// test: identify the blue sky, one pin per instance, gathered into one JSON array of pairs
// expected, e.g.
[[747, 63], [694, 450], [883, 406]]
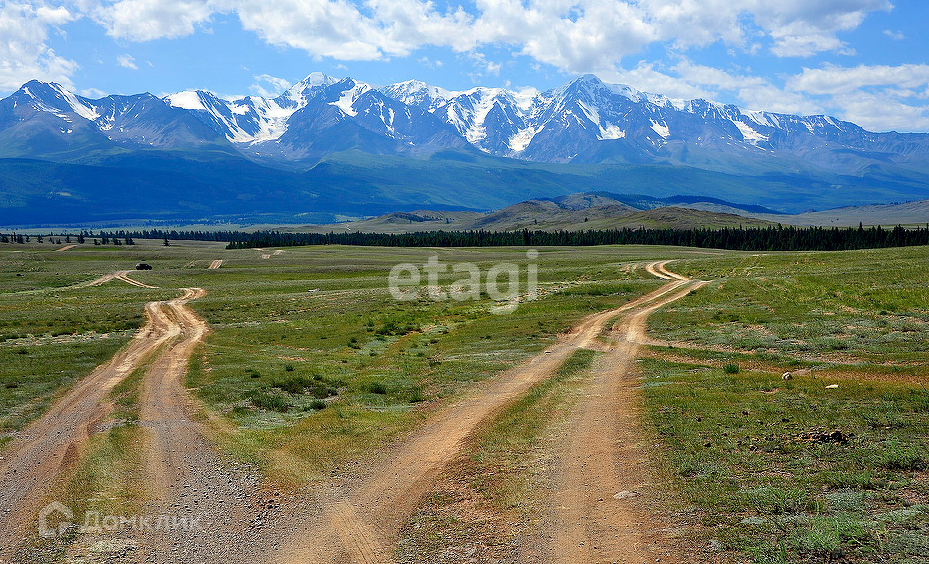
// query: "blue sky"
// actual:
[[860, 60]]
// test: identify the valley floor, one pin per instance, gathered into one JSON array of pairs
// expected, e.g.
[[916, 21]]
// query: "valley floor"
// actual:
[[281, 405]]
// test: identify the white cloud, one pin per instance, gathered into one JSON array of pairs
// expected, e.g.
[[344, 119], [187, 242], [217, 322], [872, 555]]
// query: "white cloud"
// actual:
[[277, 85], [484, 66], [882, 112], [323, 28], [92, 93], [24, 54], [895, 35], [876, 97], [687, 80], [590, 36], [573, 35], [649, 79], [144, 20], [801, 28], [831, 79], [126, 61]]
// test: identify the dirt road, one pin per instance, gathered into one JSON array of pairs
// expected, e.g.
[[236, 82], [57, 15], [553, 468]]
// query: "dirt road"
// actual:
[[121, 275], [184, 476], [603, 506], [357, 522], [124, 276], [360, 523], [659, 269], [49, 447], [215, 264]]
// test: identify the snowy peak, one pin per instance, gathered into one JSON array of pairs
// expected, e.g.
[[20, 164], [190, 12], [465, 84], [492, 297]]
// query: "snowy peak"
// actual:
[[299, 95], [54, 98], [417, 93], [314, 80], [349, 91]]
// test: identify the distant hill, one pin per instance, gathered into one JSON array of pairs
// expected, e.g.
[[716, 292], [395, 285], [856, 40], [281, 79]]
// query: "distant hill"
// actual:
[[909, 213], [596, 210], [401, 222], [606, 210]]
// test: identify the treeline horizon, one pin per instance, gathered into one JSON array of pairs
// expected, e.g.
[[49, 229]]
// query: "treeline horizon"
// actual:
[[774, 238]]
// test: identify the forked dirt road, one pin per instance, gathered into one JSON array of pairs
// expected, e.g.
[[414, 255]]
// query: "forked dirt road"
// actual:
[[357, 522], [360, 523], [122, 275], [48, 448]]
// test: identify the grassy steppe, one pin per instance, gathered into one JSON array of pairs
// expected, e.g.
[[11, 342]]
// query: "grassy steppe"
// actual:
[[310, 378], [793, 470], [311, 364]]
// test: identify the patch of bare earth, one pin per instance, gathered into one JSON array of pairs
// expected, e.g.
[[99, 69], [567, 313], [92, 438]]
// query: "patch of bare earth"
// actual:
[[605, 508]]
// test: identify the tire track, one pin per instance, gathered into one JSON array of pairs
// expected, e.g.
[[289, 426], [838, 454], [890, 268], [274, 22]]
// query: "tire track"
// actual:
[[185, 477], [124, 276]]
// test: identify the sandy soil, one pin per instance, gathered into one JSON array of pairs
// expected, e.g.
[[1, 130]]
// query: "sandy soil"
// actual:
[[660, 270]]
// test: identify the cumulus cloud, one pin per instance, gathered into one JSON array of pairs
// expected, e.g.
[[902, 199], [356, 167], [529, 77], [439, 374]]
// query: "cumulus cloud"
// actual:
[[877, 97], [574, 36], [800, 28], [588, 36], [144, 20], [24, 54], [126, 61], [320, 27], [882, 112]]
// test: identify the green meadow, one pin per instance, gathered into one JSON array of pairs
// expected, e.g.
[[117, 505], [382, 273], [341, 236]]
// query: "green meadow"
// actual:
[[312, 363]]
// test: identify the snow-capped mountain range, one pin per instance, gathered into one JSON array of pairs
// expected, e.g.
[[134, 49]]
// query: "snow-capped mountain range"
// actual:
[[329, 146], [583, 121]]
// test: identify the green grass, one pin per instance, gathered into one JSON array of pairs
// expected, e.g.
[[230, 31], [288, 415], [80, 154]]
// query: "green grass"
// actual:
[[52, 334], [758, 456], [105, 479], [868, 306], [380, 364], [504, 451], [310, 362]]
